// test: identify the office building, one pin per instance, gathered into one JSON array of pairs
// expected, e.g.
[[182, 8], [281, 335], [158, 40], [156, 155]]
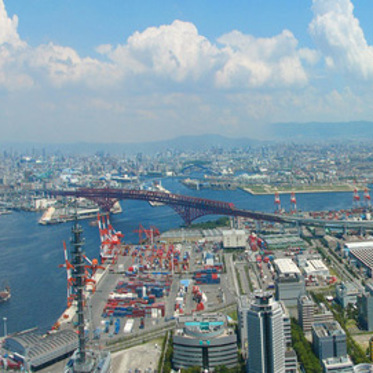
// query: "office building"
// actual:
[[291, 361], [347, 293], [365, 307], [287, 325], [243, 306], [265, 335], [289, 287], [309, 313], [204, 341], [328, 340], [341, 364]]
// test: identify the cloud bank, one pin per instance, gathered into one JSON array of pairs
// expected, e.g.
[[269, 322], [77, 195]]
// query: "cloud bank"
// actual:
[[172, 74]]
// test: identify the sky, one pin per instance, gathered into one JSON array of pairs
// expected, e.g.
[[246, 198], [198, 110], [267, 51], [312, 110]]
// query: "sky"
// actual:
[[144, 70]]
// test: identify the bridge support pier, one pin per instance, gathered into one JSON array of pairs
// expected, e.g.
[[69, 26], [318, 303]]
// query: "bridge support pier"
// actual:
[[299, 228], [258, 226]]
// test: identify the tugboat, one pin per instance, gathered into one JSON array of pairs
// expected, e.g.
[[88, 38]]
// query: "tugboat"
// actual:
[[5, 294]]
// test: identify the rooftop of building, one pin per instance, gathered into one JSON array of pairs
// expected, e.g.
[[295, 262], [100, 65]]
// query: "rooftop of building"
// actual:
[[359, 244], [306, 300], [203, 326], [326, 329], [35, 344], [289, 277], [338, 362], [286, 266], [232, 232], [318, 265], [364, 255], [348, 288]]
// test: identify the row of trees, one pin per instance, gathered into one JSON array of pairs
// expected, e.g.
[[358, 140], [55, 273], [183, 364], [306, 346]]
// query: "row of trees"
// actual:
[[303, 349]]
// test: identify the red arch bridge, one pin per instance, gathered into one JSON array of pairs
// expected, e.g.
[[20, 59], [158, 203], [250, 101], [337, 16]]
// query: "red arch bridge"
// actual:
[[191, 208]]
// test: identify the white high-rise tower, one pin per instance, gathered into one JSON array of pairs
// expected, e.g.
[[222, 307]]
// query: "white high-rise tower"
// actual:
[[265, 335]]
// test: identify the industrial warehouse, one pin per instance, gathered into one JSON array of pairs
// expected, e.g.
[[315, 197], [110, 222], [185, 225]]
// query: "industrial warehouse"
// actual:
[[36, 351]]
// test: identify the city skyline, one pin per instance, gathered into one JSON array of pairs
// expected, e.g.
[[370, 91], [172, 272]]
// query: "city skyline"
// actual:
[[120, 72]]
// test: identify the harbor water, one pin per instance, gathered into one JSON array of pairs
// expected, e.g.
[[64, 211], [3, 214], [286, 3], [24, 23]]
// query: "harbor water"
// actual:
[[30, 253]]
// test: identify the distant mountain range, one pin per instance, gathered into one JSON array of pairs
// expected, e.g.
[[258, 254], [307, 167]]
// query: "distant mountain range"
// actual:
[[278, 132], [182, 143], [316, 131]]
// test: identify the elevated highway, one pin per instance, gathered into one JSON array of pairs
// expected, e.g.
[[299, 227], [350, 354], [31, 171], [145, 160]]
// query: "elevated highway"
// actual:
[[191, 208]]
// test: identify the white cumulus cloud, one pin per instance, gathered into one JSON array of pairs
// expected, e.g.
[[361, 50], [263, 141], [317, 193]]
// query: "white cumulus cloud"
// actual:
[[64, 65], [340, 38], [256, 62], [174, 51], [8, 28]]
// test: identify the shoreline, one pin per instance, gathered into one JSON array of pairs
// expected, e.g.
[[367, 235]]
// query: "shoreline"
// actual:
[[297, 191]]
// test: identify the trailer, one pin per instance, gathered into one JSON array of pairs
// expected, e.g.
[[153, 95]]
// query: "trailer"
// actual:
[[129, 326]]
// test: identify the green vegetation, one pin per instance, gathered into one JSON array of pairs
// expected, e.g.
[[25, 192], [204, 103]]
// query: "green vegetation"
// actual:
[[324, 242], [225, 266], [303, 349], [308, 240], [211, 224], [251, 287], [195, 369], [167, 366], [357, 354], [239, 281], [233, 315], [162, 352]]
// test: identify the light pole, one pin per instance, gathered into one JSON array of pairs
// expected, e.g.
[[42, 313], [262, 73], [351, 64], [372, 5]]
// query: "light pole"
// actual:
[[5, 329]]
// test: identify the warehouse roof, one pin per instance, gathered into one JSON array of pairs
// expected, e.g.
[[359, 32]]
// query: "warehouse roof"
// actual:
[[364, 255], [38, 349], [286, 266]]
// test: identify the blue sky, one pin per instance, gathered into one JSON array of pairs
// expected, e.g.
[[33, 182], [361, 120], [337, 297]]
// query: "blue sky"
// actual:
[[129, 71]]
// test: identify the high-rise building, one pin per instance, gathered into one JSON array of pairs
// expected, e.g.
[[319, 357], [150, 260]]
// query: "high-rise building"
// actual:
[[289, 287], [265, 335], [365, 307], [243, 306], [328, 340], [309, 313]]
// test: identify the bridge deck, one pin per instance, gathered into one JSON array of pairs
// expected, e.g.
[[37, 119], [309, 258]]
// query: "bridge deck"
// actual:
[[190, 208]]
